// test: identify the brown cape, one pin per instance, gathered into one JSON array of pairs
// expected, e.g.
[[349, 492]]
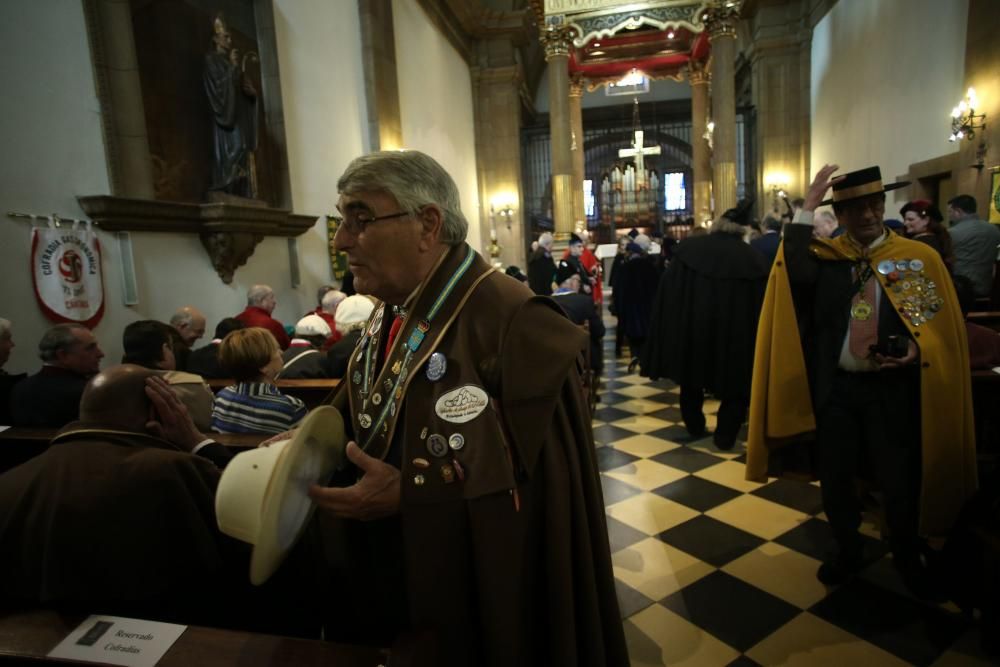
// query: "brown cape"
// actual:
[[510, 565]]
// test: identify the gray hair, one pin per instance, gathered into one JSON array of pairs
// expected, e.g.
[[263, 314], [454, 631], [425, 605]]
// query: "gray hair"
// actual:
[[331, 299], [724, 225], [5, 328], [414, 180], [59, 337], [826, 214], [182, 317], [545, 240], [323, 289], [257, 294]]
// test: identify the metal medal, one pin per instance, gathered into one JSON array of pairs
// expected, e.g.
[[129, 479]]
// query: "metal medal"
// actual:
[[862, 310], [423, 433], [418, 480], [396, 366], [421, 463], [447, 474], [902, 265], [365, 420], [437, 365], [356, 377], [456, 441], [437, 446], [377, 398], [916, 265], [886, 266]]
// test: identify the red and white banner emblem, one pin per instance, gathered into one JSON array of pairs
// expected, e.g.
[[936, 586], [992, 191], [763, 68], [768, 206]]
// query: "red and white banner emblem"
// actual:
[[68, 276]]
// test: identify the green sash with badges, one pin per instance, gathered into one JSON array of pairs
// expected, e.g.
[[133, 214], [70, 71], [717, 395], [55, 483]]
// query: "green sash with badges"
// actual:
[[375, 393]]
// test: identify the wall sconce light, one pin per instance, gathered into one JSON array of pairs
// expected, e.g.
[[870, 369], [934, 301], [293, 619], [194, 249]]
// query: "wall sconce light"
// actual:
[[503, 206], [964, 123], [964, 119], [777, 183]]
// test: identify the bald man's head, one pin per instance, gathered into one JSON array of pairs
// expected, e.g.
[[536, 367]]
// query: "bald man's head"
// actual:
[[190, 324], [117, 397]]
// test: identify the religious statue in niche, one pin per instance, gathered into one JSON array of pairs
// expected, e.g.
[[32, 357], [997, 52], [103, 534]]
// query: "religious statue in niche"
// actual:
[[233, 100]]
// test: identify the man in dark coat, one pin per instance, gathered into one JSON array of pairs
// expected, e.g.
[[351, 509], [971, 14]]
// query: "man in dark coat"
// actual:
[[118, 513], [705, 322], [51, 397], [580, 308], [205, 360], [473, 510], [541, 267], [767, 243], [634, 289]]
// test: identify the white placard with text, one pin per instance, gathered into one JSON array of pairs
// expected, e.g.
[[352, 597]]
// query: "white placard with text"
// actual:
[[118, 641]]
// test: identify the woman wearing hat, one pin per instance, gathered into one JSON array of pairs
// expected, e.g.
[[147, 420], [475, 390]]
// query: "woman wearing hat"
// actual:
[[254, 404], [923, 222]]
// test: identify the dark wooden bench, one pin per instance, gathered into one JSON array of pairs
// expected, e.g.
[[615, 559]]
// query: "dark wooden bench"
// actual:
[[985, 318], [312, 392], [18, 444], [28, 636]]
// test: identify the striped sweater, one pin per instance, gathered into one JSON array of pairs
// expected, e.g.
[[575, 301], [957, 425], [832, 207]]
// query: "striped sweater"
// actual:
[[255, 407]]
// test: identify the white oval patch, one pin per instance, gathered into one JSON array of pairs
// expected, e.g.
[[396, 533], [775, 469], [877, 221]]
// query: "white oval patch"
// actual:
[[461, 405]]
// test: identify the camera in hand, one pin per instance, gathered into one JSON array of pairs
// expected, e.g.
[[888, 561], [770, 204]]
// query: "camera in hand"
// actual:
[[892, 346]]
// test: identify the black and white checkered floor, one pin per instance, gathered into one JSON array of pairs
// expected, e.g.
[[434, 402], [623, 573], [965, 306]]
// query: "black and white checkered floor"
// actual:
[[714, 570]]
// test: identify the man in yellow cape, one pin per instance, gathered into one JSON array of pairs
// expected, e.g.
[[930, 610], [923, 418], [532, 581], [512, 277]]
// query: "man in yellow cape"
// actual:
[[903, 404]]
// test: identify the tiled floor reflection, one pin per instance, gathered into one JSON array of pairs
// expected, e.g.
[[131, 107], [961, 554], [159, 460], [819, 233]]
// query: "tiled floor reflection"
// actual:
[[714, 570]]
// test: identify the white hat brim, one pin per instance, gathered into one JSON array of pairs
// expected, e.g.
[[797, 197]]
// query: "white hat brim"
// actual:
[[272, 513]]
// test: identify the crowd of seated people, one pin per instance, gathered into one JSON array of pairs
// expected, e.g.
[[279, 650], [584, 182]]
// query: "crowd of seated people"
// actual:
[[71, 355]]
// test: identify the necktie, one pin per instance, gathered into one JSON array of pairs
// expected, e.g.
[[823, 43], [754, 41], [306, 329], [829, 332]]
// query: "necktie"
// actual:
[[397, 323], [864, 333]]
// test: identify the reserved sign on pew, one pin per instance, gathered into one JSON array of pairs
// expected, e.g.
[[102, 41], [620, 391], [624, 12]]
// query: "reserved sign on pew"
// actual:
[[118, 641]]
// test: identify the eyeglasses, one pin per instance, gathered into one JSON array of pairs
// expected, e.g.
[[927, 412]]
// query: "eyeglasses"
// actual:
[[357, 223]]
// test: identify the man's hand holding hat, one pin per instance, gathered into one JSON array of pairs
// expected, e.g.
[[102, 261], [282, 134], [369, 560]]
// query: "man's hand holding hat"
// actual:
[[374, 496]]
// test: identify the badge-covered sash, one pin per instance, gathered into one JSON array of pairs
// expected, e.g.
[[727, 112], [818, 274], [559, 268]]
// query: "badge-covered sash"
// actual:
[[376, 394]]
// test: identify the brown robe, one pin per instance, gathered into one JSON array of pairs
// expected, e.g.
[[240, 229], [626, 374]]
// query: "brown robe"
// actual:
[[500, 550]]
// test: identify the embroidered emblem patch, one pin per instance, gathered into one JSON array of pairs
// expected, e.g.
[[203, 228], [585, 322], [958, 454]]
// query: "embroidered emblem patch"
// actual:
[[461, 405]]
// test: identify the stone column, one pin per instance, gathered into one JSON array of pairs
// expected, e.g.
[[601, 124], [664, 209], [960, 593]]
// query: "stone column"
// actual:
[[378, 59], [497, 107], [557, 42], [701, 158], [576, 146], [116, 69], [721, 24]]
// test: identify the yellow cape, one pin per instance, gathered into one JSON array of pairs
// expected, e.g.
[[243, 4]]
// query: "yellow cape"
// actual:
[[781, 408]]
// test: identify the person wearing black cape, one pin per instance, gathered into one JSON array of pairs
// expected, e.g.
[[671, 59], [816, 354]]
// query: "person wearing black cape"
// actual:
[[704, 323], [634, 291]]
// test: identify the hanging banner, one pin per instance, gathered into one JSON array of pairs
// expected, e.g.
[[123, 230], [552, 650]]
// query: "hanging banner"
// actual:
[[67, 274], [338, 260]]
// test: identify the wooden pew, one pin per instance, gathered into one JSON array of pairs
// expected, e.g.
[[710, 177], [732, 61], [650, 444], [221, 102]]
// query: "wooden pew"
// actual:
[[27, 636], [985, 318], [312, 392], [18, 444], [986, 413]]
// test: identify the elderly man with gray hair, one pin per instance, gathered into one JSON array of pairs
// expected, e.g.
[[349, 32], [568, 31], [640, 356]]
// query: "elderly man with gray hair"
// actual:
[[541, 266], [472, 507], [51, 397], [260, 304]]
